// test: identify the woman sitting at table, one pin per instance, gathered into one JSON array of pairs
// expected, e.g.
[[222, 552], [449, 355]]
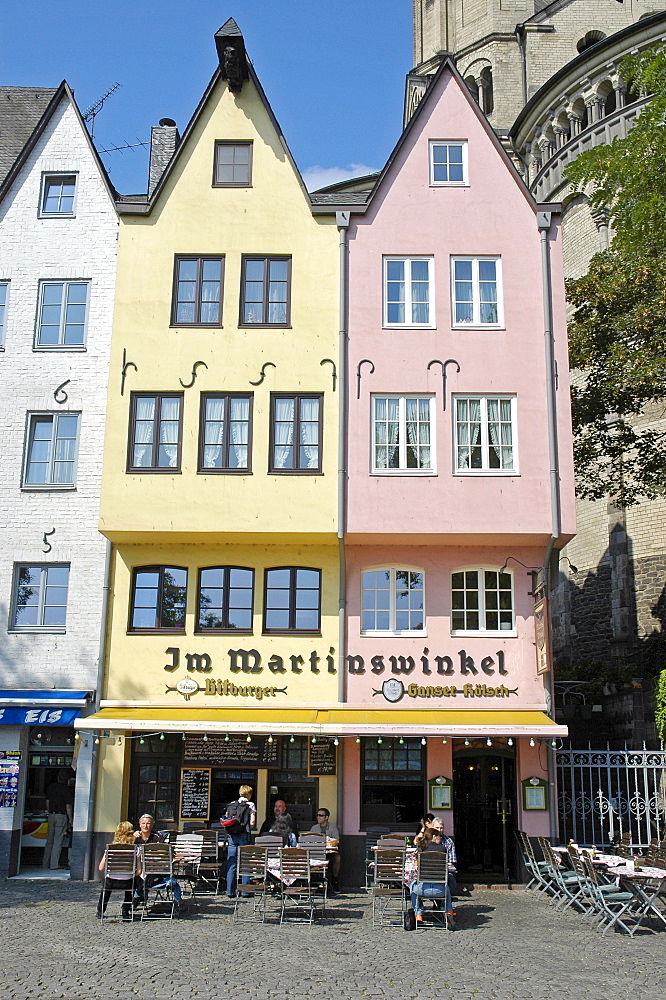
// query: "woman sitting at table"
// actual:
[[282, 828], [426, 824], [434, 840], [124, 835]]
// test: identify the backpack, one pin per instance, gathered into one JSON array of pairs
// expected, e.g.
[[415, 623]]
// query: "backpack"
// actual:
[[237, 817]]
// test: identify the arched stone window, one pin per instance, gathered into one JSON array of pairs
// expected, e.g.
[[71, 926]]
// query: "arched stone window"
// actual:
[[589, 39], [607, 97], [488, 93], [472, 87], [581, 112]]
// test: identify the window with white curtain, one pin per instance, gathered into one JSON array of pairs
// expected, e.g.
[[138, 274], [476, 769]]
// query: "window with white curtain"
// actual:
[[265, 291], [155, 432], [485, 429], [403, 434], [476, 291], [50, 454], [225, 432], [296, 433], [408, 291], [393, 601], [39, 598], [482, 600]]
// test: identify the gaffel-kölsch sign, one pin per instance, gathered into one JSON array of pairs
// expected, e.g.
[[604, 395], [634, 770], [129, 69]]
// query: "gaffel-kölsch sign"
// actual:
[[429, 668]]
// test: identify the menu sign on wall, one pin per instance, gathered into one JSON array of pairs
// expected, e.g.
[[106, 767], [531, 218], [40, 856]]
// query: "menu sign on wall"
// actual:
[[233, 750], [322, 758], [195, 793]]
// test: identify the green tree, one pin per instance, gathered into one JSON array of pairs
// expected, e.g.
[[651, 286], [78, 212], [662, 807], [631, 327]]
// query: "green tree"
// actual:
[[618, 332]]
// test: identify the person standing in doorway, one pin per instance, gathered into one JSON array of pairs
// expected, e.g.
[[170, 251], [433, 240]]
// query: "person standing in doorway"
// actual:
[[60, 812], [240, 836]]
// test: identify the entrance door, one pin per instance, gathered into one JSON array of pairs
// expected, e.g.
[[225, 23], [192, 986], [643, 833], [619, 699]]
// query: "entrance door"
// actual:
[[484, 804]]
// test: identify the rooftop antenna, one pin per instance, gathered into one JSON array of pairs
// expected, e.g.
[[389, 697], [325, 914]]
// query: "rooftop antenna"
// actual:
[[91, 113]]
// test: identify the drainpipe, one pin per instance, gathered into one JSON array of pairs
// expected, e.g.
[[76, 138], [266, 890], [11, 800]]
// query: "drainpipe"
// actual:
[[88, 858], [342, 221], [519, 32], [544, 221]]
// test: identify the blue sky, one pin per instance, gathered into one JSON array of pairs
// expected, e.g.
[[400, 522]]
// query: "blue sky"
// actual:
[[333, 70]]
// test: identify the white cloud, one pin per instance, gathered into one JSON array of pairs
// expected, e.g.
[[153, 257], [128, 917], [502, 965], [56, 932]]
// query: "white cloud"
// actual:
[[319, 177]]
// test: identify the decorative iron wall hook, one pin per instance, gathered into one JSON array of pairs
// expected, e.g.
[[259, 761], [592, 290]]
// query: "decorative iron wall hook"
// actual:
[[262, 374], [60, 395], [47, 545], [126, 364], [445, 365], [364, 361], [334, 373], [197, 364]]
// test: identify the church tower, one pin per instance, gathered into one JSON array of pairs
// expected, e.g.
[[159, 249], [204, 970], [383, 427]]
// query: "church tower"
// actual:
[[506, 50]]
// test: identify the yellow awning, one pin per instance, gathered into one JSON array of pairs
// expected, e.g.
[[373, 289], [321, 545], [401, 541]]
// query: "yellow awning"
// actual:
[[324, 722]]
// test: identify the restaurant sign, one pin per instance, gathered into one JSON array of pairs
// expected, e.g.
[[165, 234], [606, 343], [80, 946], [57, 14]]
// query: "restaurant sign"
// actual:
[[394, 690]]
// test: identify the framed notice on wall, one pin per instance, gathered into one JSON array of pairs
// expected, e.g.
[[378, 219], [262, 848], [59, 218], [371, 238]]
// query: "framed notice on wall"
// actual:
[[535, 794], [195, 792]]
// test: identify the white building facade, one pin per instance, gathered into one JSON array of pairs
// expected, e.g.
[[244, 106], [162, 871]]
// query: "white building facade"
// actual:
[[58, 240]]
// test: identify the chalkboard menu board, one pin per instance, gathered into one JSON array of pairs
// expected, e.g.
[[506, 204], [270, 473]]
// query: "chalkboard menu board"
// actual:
[[322, 757], [234, 751], [194, 793]]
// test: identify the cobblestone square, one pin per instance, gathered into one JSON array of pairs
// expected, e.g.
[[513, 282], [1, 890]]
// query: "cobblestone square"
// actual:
[[508, 946]]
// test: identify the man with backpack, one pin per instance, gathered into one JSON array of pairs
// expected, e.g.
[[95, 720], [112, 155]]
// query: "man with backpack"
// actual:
[[243, 813]]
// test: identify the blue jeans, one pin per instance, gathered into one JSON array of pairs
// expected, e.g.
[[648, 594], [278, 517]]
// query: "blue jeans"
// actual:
[[236, 840], [431, 890]]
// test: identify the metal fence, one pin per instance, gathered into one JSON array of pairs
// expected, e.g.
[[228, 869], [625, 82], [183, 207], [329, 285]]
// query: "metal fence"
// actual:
[[606, 793]]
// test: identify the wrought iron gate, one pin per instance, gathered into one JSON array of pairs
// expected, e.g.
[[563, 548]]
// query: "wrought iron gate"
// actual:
[[605, 793]]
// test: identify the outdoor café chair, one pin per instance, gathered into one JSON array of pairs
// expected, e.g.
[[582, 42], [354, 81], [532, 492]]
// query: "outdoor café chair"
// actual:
[[161, 891], [298, 893], [539, 871], [187, 859], [315, 845], [565, 883], [433, 867], [208, 868], [611, 904], [251, 885], [388, 888], [373, 835], [119, 875]]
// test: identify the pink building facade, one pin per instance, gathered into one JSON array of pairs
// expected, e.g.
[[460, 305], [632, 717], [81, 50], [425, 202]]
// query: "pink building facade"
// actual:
[[459, 485]]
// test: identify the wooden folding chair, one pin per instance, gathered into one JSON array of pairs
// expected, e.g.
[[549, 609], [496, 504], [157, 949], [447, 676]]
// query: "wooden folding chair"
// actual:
[[161, 891], [388, 887], [120, 865]]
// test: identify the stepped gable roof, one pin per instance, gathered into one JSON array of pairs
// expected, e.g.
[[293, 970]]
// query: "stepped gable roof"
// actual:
[[38, 122], [21, 109]]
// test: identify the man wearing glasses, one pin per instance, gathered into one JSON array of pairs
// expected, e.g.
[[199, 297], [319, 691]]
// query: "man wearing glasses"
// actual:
[[332, 834]]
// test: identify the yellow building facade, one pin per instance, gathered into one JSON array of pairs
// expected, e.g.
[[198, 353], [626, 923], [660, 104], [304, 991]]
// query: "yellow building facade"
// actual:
[[219, 496]]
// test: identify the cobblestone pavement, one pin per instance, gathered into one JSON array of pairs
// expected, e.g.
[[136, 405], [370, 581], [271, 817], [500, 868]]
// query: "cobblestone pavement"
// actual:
[[508, 946]]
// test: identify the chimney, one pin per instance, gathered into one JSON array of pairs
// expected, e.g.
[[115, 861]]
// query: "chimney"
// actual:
[[164, 139]]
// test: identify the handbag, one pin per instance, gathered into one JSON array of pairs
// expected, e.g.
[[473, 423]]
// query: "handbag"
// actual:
[[409, 919]]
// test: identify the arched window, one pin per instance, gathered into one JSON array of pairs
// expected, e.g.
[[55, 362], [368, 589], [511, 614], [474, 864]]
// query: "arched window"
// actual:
[[590, 39], [488, 93], [482, 600], [393, 600], [472, 87]]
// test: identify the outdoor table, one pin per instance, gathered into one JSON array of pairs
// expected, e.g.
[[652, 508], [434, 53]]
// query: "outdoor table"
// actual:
[[273, 868], [646, 884]]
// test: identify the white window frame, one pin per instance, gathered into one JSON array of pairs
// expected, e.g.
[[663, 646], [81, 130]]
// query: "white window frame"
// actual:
[[431, 155], [3, 313], [485, 469], [61, 345], [54, 416], [13, 626], [476, 298], [54, 175], [403, 469], [481, 593], [407, 262], [392, 630]]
